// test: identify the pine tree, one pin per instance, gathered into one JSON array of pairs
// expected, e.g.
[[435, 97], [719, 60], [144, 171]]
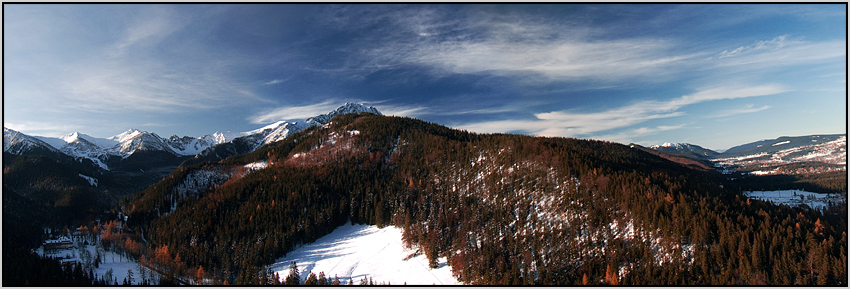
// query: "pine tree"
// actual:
[[294, 276], [312, 280], [322, 279], [200, 274]]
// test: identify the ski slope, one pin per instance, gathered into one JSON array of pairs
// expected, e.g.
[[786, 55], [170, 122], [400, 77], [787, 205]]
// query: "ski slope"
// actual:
[[358, 251]]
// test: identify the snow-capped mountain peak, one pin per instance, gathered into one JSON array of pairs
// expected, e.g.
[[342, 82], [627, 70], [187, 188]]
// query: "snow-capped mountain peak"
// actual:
[[267, 127], [685, 148], [104, 143], [670, 145], [70, 137], [344, 109], [129, 134]]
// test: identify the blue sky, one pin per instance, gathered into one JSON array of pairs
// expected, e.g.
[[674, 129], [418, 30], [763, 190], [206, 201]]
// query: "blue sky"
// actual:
[[712, 75]]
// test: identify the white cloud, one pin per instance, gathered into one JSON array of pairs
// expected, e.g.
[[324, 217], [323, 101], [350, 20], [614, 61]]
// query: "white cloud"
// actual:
[[276, 81], [295, 112], [558, 59], [628, 136], [571, 123], [408, 111]]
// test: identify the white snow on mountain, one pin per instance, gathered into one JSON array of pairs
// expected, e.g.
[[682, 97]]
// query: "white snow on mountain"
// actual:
[[127, 135], [354, 252], [16, 142], [101, 142], [347, 108]]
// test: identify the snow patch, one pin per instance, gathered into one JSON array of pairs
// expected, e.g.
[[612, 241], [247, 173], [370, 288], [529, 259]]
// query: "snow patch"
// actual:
[[782, 143], [358, 251], [92, 181], [255, 166]]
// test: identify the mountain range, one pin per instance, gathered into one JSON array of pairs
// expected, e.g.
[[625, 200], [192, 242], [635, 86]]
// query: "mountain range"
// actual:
[[107, 153], [787, 155]]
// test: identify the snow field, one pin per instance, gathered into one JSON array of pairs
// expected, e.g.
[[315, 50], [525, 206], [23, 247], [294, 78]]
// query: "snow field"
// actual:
[[358, 251], [109, 260]]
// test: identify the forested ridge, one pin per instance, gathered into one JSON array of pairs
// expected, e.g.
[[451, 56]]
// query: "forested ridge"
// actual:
[[504, 209]]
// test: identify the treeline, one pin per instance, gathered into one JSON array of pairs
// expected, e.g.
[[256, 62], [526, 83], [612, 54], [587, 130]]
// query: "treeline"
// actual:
[[829, 182], [31, 270], [504, 209]]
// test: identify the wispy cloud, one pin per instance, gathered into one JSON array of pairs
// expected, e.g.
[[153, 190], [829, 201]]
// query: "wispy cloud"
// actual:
[[40, 128], [148, 86], [522, 46], [153, 23], [556, 60], [629, 135], [276, 81], [780, 51], [402, 110], [294, 112], [748, 109], [572, 123], [775, 43], [144, 70]]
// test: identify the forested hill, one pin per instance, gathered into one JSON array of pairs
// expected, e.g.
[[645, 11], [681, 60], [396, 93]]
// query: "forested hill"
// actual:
[[504, 209]]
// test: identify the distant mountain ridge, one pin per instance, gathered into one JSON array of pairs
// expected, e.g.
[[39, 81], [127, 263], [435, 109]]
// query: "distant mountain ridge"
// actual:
[[105, 151], [783, 155], [687, 149], [757, 147], [778, 144]]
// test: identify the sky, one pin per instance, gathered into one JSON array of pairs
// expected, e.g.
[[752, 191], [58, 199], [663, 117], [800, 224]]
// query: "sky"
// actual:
[[712, 75]]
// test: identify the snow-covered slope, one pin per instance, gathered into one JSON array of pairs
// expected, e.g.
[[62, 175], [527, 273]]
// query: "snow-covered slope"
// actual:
[[357, 251], [17, 143]]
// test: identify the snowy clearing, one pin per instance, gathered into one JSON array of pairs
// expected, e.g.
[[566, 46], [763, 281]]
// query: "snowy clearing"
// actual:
[[816, 201], [358, 251], [109, 260]]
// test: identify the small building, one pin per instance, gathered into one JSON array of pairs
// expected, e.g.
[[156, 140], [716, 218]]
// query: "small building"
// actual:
[[70, 262], [57, 244]]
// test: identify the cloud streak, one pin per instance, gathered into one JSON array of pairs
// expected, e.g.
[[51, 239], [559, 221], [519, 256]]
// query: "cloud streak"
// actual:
[[732, 112], [524, 47], [148, 86], [294, 112], [779, 52], [571, 123]]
